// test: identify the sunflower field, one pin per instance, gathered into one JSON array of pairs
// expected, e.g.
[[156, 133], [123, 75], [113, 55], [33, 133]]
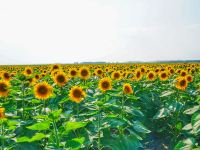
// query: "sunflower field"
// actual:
[[100, 107]]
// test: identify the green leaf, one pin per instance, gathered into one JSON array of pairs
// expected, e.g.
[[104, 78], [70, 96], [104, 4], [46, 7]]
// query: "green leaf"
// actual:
[[75, 143], [134, 111], [114, 122], [55, 114], [191, 110], [36, 137], [23, 139], [74, 125], [186, 144], [122, 143], [139, 127], [179, 126], [187, 127], [196, 123], [166, 93], [40, 126], [162, 113]]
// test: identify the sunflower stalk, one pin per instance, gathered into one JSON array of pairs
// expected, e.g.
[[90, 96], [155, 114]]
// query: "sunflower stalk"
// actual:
[[77, 111], [2, 139], [56, 133], [122, 113], [99, 126], [44, 107], [23, 103]]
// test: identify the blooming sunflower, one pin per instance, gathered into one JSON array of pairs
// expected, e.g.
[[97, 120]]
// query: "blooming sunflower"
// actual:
[[183, 73], [73, 72], [84, 73], [2, 112], [77, 94], [189, 78], [43, 90], [138, 75], [116, 75], [60, 79], [98, 72], [151, 76], [127, 89], [181, 83], [4, 88], [163, 75], [28, 71], [105, 84], [6, 76]]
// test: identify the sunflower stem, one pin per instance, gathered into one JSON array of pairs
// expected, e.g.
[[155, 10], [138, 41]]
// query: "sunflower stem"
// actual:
[[23, 100], [56, 133], [44, 107], [2, 133], [77, 111], [122, 113], [99, 125]]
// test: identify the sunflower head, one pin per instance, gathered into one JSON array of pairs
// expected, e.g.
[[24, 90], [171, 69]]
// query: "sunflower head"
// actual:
[[31, 81], [60, 79], [2, 112], [4, 88], [55, 67], [84, 73], [116, 75], [43, 90], [183, 73], [77, 94], [181, 83], [98, 72], [127, 89], [163, 75], [37, 76], [73, 72], [138, 75], [189, 78], [151, 76], [6, 76], [105, 84], [28, 71]]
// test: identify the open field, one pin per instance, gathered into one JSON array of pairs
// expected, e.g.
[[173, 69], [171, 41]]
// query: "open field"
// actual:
[[100, 106]]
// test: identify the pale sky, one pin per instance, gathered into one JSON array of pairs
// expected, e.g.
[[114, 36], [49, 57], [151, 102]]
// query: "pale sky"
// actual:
[[67, 31]]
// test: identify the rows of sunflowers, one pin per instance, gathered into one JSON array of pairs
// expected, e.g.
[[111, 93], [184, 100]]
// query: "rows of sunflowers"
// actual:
[[100, 106]]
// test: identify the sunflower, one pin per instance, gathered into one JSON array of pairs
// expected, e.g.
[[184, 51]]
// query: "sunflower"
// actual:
[[138, 75], [127, 89], [2, 112], [60, 79], [77, 94], [181, 83], [163, 75], [84, 73], [55, 67], [98, 72], [28, 71], [183, 73], [37, 77], [31, 81], [116, 75], [6, 76], [43, 90], [105, 84], [151, 76], [73, 72], [4, 88], [189, 78]]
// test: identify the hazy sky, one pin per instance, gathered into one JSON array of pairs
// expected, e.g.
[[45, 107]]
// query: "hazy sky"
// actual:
[[45, 31]]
